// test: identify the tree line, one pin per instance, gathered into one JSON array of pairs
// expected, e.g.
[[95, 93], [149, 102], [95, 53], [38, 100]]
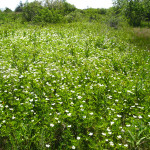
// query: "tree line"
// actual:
[[135, 11], [55, 11]]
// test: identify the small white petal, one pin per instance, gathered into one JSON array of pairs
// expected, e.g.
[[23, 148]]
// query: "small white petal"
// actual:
[[73, 147], [90, 133]]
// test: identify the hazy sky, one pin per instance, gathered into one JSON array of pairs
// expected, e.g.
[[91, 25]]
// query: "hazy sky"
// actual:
[[12, 4]]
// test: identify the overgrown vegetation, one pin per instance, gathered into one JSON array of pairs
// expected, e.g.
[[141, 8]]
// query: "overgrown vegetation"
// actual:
[[135, 11], [55, 12], [73, 79]]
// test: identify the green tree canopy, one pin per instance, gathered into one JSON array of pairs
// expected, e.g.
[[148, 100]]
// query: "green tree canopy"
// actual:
[[7, 10], [19, 8]]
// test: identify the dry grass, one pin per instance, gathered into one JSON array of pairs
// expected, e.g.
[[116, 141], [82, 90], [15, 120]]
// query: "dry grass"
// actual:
[[142, 32], [141, 37]]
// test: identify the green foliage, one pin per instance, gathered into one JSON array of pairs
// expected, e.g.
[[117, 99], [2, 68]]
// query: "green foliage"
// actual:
[[19, 8], [68, 8], [102, 11], [7, 10], [10, 18], [58, 11], [62, 6], [73, 86], [52, 12], [146, 5], [134, 10], [47, 16], [115, 19], [74, 17], [31, 10], [93, 14]]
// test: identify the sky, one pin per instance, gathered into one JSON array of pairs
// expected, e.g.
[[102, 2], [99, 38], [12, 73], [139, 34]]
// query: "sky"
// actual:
[[81, 4]]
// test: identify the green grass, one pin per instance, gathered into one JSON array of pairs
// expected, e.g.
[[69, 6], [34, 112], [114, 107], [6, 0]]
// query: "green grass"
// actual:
[[73, 86]]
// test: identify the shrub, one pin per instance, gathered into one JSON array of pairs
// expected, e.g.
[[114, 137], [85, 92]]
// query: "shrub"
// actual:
[[31, 10], [73, 17]]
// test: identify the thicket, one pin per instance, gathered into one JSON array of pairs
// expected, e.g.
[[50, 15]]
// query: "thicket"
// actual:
[[58, 11], [136, 11], [53, 12]]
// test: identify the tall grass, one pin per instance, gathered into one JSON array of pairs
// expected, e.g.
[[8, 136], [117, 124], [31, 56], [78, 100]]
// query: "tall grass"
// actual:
[[141, 37]]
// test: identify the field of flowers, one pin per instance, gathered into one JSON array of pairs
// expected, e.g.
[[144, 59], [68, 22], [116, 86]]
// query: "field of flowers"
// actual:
[[73, 86]]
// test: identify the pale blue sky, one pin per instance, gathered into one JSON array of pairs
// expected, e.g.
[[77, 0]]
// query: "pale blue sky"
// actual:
[[12, 4]]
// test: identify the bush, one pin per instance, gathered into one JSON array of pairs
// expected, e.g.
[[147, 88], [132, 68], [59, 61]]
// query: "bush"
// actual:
[[134, 13], [31, 10], [19, 8], [7, 10], [73, 17], [114, 22]]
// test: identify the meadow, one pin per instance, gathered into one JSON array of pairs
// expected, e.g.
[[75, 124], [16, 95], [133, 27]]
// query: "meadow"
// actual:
[[81, 86]]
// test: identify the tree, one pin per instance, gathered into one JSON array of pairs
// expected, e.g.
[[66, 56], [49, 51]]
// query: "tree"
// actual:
[[68, 8], [51, 11], [146, 4], [53, 4], [132, 9], [19, 8], [31, 10], [7, 10], [134, 12]]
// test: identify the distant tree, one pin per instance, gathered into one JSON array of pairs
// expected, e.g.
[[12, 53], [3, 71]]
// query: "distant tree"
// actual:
[[19, 8], [60, 7], [102, 11], [68, 8], [146, 4], [74, 16], [134, 12], [44, 15], [132, 9], [31, 10], [53, 4], [7, 10]]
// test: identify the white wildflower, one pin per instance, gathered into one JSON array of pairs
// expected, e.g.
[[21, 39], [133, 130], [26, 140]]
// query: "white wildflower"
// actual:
[[109, 132], [69, 114], [51, 125], [69, 126], [91, 113], [140, 117], [79, 97], [13, 117], [119, 137], [111, 143], [111, 123], [104, 134], [119, 116], [90, 133], [47, 145]]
